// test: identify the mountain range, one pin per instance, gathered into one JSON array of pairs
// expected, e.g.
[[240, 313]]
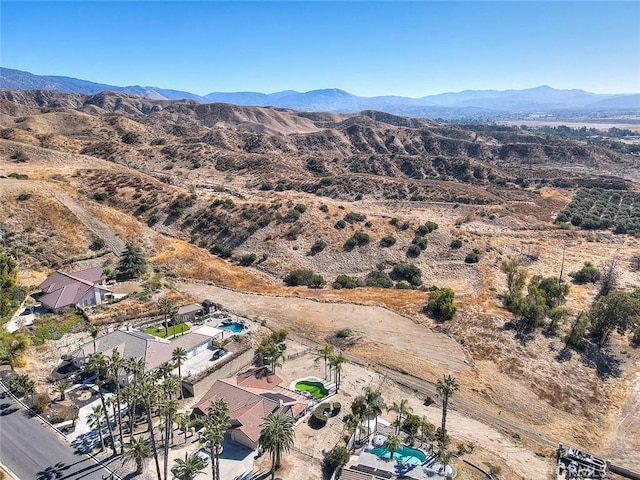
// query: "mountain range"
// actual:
[[468, 103]]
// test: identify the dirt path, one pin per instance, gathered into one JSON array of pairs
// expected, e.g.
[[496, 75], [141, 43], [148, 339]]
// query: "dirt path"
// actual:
[[315, 320], [95, 226], [625, 448]]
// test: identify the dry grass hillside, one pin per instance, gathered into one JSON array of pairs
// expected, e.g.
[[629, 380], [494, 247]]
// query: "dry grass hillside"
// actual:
[[208, 188]]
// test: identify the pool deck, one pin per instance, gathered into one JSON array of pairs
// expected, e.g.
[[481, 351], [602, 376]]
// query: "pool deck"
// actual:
[[420, 472]]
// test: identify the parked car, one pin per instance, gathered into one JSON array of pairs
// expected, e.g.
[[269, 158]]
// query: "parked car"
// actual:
[[219, 353], [202, 454]]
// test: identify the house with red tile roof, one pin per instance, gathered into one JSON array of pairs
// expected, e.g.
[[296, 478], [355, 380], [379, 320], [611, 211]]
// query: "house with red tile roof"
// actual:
[[252, 396], [77, 289]]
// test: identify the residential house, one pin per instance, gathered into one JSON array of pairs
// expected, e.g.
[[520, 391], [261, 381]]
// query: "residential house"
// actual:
[[252, 396], [188, 313], [77, 289]]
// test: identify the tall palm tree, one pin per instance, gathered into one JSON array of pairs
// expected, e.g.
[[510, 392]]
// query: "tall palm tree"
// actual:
[[336, 362], [94, 331], [393, 444], [276, 436], [182, 419], [446, 387], [61, 387], [188, 468], [214, 429], [168, 409], [374, 403], [166, 307], [137, 449], [179, 355], [97, 363], [134, 366], [147, 392], [326, 352], [427, 429], [96, 419], [401, 409], [355, 424], [359, 412], [114, 365], [170, 386]]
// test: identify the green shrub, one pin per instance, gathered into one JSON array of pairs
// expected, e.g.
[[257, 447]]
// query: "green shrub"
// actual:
[[317, 247], [40, 402], [344, 281], [97, 244], [248, 259], [304, 277], [358, 239], [23, 197], [324, 208], [266, 186], [337, 457], [413, 251], [340, 225], [292, 216], [427, 228], [20, 156], [441, 304], [587, 274], [388, 241], [300, 207], [222, 250], [378, 278], [352, 217], [456, 244], [100, 196], [472, 257], [153, 219], [420, 242], [408, 272]]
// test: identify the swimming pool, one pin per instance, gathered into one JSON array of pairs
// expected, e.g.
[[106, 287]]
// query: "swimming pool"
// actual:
[[232, 327], [404, 454]]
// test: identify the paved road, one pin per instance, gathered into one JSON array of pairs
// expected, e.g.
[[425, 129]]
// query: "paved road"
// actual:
[[33, 451]]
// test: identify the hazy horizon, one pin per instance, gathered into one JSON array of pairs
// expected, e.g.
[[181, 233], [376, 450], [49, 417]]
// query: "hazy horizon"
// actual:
[[410, 49]]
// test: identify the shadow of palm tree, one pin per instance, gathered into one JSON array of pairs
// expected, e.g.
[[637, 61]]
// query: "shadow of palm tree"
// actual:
[[253, 475]]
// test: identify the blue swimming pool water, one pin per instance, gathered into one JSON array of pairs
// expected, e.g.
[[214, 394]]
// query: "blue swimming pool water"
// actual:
[[232, 327], [404, 454]]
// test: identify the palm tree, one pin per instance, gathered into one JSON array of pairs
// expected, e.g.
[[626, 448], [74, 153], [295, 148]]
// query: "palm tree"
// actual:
[[355, 423], [168, 408], [182, 419], [114, 365], [336, 362], [326, 352], [393, 444], [166, 307], [14, 349], [359, 412], [276, 436], [60, 387], [446, 387], [427, 429], [188, 468], [179, 355], [29, 387], [214, 429], [374, 404], [97, 363], [147, 392], [134, 366], [401, 409], [137, 449], [95, 419], [94, 331]]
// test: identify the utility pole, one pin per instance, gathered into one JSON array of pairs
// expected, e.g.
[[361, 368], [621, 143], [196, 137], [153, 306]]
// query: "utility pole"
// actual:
[[564, 248]]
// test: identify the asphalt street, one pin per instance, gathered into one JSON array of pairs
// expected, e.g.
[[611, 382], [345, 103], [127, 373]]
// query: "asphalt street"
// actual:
[[33, 451]]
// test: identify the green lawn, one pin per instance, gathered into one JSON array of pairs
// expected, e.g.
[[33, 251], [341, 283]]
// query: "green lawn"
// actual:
[[180, 328], [316, 389]]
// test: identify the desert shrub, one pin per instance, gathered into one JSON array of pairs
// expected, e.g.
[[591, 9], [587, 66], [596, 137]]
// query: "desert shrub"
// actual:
[[97, 244], [100, 196], [340, 225], [23, 197], [413, 251], [358, 239], [266, 186], [153, 219], [292, 216], [300, 207], [344, 281], [222, 250], [427, 228], [456, 244], [40, 402], [248, 259], [158, 141], [378, 278], [420, 242], [404, 286], [324, 208], [352, 217], [408, 272], [388, 241], [472, 257], [317, 247], [131, 138], [337, 457], [587, 274], [394, 221], [18, 176], [304, 277], [20, 156], [264, 220], [179, 204], [368, 224], [441, 304]]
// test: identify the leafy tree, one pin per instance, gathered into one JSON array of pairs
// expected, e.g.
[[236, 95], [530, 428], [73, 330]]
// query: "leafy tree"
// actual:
[[387, 241], [587, 274], [337, 457], [304, 277], [609, 279], [137, 450], [8, 271], [344, 281], [132, 262], [472, 257], [552, 290], [441, 303], [456, 244], [446, 387], [378, 278], [408, 272], [617, 311], [276, 436], [533, 308], [358, 239], [12, 349], [578, 329], [516, 280], [401, 409]]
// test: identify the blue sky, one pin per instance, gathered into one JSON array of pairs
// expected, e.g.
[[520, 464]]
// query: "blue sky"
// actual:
[[367, 48]]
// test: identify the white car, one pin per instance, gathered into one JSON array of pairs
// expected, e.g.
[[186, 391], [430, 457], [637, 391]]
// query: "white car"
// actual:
[[203, 455]]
